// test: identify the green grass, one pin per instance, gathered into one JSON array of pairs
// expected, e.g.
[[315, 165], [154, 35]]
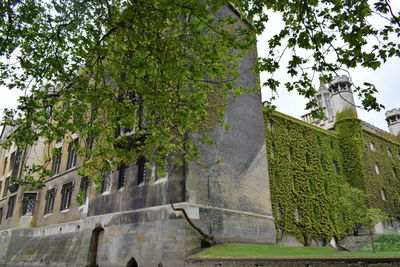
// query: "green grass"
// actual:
[[254, 251]]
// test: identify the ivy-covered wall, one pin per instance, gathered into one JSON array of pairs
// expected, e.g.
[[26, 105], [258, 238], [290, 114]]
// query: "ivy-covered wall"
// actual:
[[307, 181], [351, 141], [381, 167], [318, 177]]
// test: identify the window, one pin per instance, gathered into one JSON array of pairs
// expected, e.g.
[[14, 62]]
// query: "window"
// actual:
[[290, 156], [84, 186], [270, 126], [28, 203], [134, 99], [141, 175], [1, 214], [335, 167], [308, 159], [6, 184], [66, 195], [383, 195], [390, 153], [15, 161], [273, 151], [11, 206], [372, 146], [72, 147], [122, 169], [164, 174], [377, 170], [297, 215], [5, 165], [56, 161], [106, 183], [50, 197], [327, 103], [389, 224], [89, 145], [49, 110], [287, 129]]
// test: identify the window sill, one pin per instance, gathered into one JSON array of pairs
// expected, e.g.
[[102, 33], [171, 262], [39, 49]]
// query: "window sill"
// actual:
[[161, 180], [47, 215], [107, 192], [64, 211]]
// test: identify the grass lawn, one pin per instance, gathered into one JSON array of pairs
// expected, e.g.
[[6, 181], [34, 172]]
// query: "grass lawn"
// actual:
[[255, 251]]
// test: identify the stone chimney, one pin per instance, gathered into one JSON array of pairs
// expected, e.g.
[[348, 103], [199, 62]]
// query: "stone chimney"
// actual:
[[341, 95], [393, 120]]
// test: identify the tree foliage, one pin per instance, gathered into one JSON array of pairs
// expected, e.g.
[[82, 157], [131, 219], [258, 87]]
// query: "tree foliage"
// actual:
[[109, 66], [325, 37]]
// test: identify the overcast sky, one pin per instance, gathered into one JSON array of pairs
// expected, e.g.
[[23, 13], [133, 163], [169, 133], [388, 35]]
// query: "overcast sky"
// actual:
[[386, 79]]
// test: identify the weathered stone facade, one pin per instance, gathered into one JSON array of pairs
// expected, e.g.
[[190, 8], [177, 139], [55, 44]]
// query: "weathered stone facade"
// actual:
[[135, 224]]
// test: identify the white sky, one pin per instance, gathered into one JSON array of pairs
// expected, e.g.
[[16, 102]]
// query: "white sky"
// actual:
[[385, 79]]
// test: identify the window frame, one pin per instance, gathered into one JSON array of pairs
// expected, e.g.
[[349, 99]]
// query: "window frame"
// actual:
[[6, 185], [141, 171], [377, 169], [72, 153], [372, 146], [66, 195], [122, 171], [56, 162], [106, 184], [50, 199], [30, 196], [84, 186], [1, 214], [15, 162], [12, 200]]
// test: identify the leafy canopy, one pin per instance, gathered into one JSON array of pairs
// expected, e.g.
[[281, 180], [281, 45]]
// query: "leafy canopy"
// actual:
[[102, 68]]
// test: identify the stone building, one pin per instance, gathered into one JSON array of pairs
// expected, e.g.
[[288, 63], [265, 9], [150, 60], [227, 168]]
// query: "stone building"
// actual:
[[315, 164], [130, 221]]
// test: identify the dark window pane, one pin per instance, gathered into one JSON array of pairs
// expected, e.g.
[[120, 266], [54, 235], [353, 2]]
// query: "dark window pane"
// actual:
[[11, 206], [28, 203], [50, 197], [66, 195]]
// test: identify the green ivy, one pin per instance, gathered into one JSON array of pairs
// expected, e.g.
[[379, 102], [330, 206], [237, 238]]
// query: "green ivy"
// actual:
[[349, 131], [321, 180], [308, 185], [386, 157]]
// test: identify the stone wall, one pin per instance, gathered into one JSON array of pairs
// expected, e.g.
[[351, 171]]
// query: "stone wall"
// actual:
[[149, 236]]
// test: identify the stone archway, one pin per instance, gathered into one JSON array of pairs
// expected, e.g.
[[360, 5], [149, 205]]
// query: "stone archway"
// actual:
[[94, 242], [132, 263]]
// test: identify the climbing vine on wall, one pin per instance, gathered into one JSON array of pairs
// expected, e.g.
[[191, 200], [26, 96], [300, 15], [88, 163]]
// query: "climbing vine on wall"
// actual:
[[382, 168], [321, 180], [310, 196], [352, 146]]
